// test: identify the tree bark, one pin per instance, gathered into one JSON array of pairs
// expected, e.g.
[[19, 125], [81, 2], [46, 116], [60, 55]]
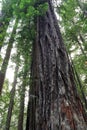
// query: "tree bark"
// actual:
[[7, 57], [21, 112], [22, 97], [11, 104], [54, 103]]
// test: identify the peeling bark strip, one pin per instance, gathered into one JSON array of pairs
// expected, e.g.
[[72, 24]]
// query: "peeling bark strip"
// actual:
[[54, 104]]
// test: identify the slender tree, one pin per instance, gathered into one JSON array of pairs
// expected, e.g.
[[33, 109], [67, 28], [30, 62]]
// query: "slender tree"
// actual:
[[7, 57], [11, 103], [22, 95], [54, 103], [22, 99]]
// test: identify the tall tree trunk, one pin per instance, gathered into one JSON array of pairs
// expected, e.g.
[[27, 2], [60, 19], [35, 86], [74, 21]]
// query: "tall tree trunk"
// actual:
[[21, 112], [55, 104], [22, 99], [11, 104], [7, 57]]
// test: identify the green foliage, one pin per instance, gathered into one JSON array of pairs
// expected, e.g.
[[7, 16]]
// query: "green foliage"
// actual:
[[31, 11], [27, 9], [42, 9]]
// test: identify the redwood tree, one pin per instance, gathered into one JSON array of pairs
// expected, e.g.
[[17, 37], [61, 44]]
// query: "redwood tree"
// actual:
[[54, 103]]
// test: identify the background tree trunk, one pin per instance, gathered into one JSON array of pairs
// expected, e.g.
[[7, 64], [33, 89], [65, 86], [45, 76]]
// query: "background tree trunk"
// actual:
[[7, 57], [11, 104], [22, 96], [54, 104], [21, 112]]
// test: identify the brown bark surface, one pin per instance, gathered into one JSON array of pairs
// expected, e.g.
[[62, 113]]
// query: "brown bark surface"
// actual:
[[54, 103]]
